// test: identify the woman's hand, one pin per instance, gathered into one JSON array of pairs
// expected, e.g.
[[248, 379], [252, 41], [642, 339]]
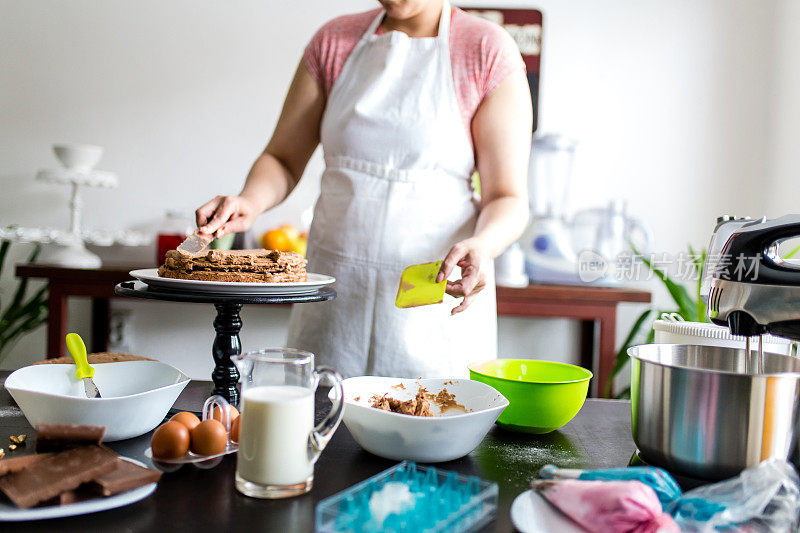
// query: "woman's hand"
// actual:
[[502, 133], [471, 256], [279, 168], [226, 214]]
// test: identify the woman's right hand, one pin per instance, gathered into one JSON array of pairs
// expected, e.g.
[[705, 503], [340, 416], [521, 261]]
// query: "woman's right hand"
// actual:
[[225, 214], [278, 169]]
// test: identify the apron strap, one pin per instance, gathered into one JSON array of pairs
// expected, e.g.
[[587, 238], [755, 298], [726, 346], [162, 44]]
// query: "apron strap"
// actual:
[[444, 24], [374, 26]]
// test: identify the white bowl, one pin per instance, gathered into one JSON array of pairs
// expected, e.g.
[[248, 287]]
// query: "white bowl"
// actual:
[[434, 439], [136, 395], [78, 156]]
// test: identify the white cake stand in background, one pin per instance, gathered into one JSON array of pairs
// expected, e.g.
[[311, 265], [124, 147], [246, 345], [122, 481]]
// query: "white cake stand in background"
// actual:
[[68, 248]]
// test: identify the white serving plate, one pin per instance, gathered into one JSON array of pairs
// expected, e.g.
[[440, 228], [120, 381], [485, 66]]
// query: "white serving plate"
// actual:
[[10, 513], [424, 439], [531, 513], [292, 288], [136, 395]]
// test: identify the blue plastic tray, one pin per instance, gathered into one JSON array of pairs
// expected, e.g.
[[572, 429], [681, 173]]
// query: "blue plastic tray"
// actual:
[[439, 501]]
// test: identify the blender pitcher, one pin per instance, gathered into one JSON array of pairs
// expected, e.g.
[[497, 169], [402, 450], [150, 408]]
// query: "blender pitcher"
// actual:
[[278, 442]]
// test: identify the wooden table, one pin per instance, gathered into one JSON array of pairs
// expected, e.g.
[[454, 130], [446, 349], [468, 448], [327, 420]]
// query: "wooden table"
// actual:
[[206, 500], [95, 283], [594, 307]]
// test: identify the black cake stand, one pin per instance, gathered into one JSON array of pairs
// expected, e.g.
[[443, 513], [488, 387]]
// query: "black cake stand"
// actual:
[[227, 324]]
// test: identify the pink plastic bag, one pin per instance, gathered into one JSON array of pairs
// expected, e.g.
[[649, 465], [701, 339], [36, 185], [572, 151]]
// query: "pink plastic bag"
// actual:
[[608, 506]]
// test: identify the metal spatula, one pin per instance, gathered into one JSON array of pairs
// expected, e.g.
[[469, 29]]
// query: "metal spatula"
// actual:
[[418, 286], [77, 350], [193, 244]]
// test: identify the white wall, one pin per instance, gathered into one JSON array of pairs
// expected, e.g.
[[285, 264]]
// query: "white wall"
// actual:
[[782, 183], [672, 103]]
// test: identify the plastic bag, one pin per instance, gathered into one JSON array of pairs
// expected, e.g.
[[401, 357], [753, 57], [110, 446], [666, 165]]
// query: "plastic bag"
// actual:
[[762, 498]]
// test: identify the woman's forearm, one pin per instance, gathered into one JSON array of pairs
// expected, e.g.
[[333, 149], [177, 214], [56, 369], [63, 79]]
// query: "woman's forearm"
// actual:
[[268, 183], [280, 166], [501, 222]]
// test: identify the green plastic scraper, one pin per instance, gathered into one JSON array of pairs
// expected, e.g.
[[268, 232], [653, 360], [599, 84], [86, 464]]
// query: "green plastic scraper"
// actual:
[[418, 286]]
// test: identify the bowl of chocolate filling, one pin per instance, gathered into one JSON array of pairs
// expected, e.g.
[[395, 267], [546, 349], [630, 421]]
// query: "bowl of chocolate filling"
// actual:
[[426, 420]]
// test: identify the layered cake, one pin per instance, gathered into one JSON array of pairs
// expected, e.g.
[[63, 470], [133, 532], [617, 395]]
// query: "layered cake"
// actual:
[[235, 265]]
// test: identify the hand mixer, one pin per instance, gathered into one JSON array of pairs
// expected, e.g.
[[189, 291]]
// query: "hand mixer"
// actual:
[[749, 287]]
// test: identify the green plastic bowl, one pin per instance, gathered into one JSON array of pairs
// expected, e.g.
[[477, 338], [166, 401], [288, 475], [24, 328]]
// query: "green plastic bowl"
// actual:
[[543, 395]]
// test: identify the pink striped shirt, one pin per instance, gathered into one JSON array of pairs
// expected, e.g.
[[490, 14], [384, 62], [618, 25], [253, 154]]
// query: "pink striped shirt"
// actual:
[[482, 55]]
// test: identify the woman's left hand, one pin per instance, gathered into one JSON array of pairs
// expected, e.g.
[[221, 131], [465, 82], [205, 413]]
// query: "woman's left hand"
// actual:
[[470, 255]]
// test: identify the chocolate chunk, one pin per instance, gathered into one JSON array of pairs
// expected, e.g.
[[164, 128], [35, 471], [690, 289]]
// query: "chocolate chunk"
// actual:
[[15, 464], [126, 476], [54, 475], [81, 494], [59, 437]]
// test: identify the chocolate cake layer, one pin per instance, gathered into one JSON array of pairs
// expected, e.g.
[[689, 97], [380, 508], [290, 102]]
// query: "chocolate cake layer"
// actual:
[[251, 277], [235, 266], [258, 260], [62, 472], [95, 359]]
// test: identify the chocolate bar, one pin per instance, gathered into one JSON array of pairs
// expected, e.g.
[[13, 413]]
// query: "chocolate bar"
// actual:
[[15, 464], [81, 494], [125, 477], [59, 473], [59, 437]]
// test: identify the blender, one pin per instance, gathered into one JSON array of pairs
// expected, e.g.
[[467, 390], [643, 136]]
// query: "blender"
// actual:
[[549, 256]]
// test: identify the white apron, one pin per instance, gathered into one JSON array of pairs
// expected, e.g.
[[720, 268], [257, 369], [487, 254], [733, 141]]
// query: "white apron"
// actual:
[[395, 192]]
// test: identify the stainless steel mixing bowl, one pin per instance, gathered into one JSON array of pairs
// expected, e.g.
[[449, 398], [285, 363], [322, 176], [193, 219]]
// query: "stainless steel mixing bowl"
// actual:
[[698, 411]]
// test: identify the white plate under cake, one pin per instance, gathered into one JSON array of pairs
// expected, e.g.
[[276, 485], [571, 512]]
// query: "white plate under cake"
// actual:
[[256, 272], [313, 283]]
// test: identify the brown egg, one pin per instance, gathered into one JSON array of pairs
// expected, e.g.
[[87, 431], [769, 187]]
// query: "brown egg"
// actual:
[[217, 414], [235, 429], [186, 418], [170, 441], [209, 437]]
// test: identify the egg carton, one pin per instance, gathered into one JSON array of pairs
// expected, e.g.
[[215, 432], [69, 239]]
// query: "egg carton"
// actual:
[[201, 461]]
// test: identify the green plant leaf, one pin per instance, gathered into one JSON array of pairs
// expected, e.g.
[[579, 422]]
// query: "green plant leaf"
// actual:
[[17, 310], [699, 265], [3, 251], [687, 307], [24, 314], [625, 394], [622, 354]]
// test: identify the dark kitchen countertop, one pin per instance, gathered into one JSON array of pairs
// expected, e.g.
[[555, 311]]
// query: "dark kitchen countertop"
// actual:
[[192, 499]]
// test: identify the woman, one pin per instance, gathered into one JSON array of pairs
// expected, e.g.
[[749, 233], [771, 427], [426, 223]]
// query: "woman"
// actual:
[[407, 101]]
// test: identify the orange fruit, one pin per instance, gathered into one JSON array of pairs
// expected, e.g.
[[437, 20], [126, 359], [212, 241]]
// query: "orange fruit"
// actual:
[[299, 245], [276, 239], [290, 231]]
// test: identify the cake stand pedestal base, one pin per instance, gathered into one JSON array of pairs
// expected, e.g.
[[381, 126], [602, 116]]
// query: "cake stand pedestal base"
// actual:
[[226, 344], [227, 324]]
